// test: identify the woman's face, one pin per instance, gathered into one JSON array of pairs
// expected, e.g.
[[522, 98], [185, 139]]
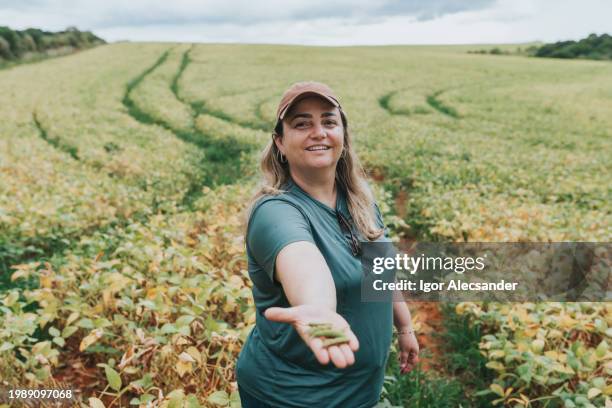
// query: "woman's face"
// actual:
[[313, 136]]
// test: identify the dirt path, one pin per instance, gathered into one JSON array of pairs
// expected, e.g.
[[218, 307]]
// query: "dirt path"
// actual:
[[429, 321], [426, 316]]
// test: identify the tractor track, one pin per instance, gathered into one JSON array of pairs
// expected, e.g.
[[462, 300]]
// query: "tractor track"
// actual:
[[55, 141], [383, 101], [221, 164], [431, 100], [437, 104]]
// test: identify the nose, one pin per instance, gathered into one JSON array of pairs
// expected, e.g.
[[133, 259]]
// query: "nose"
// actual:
[[318, 132]]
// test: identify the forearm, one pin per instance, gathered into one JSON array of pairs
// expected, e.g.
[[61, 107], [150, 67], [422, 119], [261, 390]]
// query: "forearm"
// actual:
[[401, 316], [305, 276]]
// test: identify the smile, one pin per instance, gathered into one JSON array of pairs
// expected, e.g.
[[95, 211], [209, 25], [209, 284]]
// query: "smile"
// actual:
[[318, 147]]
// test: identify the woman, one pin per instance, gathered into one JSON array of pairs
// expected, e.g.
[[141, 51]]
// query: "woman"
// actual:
[[303, 250]]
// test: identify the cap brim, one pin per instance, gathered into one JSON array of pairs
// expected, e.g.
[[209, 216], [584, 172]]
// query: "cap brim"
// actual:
[[302, 95]]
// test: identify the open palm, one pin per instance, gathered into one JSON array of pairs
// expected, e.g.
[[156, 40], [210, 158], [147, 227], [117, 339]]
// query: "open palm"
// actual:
[[299, 317]]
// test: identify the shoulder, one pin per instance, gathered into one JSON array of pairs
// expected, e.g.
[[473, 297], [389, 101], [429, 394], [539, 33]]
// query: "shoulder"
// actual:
[[274, 208], [280, 202], [275, 222]]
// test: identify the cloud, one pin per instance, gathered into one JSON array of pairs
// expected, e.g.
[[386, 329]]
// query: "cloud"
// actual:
[[134, 13], [318, 22], [431, 9]]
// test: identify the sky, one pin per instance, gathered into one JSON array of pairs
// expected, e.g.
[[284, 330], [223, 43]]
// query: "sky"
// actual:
[[318, 22]]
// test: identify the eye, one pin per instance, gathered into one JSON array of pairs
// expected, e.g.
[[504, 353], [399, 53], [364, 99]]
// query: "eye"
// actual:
[[301, 124], [330, 123]]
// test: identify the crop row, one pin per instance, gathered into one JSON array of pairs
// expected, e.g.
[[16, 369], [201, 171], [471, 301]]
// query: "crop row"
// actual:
[[546, 354], [107, 156]]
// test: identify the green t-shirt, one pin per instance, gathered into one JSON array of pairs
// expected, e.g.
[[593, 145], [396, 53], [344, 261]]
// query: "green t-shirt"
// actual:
[[275, 365]]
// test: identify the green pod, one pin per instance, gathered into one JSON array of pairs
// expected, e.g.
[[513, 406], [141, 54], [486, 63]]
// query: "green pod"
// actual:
[[326, 333], [337, 340], [320, 325]]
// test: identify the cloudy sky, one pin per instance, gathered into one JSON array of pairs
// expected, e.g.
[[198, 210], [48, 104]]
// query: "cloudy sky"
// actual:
[[318, 22]]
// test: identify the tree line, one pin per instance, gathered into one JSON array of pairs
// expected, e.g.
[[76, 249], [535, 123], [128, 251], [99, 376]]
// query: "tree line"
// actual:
[[594, 46], [597, 47], [16, 45]]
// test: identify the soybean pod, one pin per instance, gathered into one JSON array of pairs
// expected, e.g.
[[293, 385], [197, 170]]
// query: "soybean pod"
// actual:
[[326, 333], [337, 340], [320, 325]]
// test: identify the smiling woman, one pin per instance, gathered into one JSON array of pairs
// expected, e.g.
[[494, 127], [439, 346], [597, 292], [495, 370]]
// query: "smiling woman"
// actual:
[[303, 247]]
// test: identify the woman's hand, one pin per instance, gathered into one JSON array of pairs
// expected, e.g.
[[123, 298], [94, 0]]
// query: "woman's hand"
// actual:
[[409, 351], [300, 316]]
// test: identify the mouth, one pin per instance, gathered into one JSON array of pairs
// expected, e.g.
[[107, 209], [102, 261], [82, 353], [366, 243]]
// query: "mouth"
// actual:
[[317, 148]]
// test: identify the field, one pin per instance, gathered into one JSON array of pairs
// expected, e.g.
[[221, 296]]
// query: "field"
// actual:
[[125, 170]]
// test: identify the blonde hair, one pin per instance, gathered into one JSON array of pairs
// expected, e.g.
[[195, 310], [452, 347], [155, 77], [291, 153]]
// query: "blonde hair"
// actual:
[[350, 176]]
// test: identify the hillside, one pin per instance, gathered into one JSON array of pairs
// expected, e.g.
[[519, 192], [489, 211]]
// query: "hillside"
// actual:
[[32, 43]]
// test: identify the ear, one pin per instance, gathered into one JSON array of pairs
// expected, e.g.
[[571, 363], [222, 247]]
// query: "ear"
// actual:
[[278, 140]]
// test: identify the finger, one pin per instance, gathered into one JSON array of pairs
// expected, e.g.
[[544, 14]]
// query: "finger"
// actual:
[[337, 357], [353, 342], [403, 358], [403, 361], [409, 367], [320, 352], [348, 354], [411, 361], [406, 368], [280, 314]]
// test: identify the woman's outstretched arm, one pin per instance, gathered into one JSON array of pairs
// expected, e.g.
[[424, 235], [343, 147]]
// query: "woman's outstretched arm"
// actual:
[[310, 289]]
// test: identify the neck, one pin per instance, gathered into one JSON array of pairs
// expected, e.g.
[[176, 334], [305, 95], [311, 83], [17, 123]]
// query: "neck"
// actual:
[[319, 185]]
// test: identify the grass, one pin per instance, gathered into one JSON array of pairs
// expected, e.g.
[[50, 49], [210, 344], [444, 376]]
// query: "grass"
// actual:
[[462, 357], [420, 389]]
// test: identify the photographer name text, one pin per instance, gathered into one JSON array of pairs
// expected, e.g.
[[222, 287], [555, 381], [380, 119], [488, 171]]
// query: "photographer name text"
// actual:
[[457, 285]]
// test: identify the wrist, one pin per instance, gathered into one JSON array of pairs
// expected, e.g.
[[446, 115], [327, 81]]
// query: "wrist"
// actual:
[[405, 330]]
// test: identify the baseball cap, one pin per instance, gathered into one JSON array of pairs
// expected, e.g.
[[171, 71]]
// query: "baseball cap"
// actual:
[[301, 89]]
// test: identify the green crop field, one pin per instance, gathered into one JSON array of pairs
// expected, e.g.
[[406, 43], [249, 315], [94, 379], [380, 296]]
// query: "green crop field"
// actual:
[[124, 170]]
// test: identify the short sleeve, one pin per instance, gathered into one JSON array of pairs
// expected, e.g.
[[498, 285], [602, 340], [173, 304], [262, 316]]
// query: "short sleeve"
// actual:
[[274, 225]]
